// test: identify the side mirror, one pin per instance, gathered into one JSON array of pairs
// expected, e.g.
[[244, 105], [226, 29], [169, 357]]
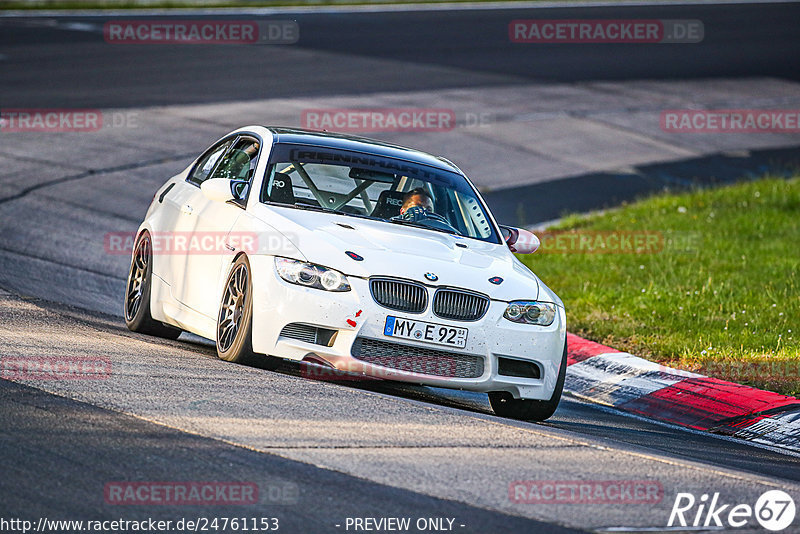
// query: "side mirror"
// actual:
[[519, 240], [218, 189]]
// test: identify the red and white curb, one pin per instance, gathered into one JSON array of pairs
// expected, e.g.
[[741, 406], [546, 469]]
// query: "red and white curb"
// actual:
[[607, 376]]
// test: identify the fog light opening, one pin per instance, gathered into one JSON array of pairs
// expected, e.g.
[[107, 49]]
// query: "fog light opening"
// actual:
[[518, 368]]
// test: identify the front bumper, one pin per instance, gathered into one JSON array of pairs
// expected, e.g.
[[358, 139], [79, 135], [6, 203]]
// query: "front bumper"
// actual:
[[354, 314]]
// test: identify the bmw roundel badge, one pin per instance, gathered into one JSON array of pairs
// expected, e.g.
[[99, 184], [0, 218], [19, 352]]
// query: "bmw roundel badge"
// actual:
[[432, 277]]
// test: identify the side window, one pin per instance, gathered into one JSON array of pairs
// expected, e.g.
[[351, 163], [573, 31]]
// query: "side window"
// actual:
[[239, 163], [207, 162]]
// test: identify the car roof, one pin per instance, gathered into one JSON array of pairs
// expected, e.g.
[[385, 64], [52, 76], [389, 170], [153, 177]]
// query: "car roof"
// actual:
[[358, 144]]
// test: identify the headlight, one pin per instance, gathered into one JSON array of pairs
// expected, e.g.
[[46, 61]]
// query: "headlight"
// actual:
[[311, 275], [529, 312]]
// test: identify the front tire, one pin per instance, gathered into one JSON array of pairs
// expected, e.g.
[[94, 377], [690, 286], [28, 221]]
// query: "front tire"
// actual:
[[137, 293], [235, 319], [505, 405]]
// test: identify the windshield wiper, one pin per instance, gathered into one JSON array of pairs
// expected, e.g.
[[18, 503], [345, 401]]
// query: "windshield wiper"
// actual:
[[331, 210], [425, 226], [312, 207], [299, 206]]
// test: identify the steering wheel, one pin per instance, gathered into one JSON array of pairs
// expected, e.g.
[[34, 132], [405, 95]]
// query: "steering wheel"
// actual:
[[420, 215]]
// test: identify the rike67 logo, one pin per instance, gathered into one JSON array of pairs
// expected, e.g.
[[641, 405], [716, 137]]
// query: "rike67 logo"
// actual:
[[774, 510]]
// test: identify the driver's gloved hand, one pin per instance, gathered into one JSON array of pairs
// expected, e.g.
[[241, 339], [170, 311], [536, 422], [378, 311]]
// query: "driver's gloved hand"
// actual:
[[415, 214]]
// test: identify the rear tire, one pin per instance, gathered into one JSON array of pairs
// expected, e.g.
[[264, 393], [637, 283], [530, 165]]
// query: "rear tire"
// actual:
[[505, 405], [137, 293]]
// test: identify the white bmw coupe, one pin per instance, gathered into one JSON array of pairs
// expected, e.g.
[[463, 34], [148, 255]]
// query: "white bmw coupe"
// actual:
[[353, 254]]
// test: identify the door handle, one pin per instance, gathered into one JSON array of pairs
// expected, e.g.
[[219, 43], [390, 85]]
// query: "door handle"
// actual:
[[187, 209]]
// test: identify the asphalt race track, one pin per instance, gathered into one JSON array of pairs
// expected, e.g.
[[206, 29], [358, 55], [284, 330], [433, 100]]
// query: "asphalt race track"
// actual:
[[319, 452], [341, 53]]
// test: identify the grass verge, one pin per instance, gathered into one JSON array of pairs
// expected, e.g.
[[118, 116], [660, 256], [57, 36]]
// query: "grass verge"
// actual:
[[705, 281]]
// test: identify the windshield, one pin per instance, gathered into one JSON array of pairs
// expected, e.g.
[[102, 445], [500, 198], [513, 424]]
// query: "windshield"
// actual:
[[375, 187]]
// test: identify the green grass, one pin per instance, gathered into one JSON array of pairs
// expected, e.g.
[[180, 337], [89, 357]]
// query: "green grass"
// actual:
[[721, 296]]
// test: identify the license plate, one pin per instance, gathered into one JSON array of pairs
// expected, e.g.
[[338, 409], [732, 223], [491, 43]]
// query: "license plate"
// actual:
[[438, 334]]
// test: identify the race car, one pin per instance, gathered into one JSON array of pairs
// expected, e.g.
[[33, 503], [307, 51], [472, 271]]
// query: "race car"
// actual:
[[353, 254]]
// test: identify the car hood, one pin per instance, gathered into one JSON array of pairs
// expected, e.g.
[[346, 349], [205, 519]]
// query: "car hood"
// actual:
[[403, 252]]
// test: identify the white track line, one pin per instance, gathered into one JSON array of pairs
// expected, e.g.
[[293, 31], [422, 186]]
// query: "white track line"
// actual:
[[731, 439]]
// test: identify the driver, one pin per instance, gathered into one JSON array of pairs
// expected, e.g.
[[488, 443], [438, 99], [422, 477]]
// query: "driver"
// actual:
[[417, 208], [415, 204]]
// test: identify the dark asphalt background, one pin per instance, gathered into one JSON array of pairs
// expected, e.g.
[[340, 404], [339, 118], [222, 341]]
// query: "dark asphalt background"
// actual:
[[54, 452], [52, 67], [58, 454], [360, 53]]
